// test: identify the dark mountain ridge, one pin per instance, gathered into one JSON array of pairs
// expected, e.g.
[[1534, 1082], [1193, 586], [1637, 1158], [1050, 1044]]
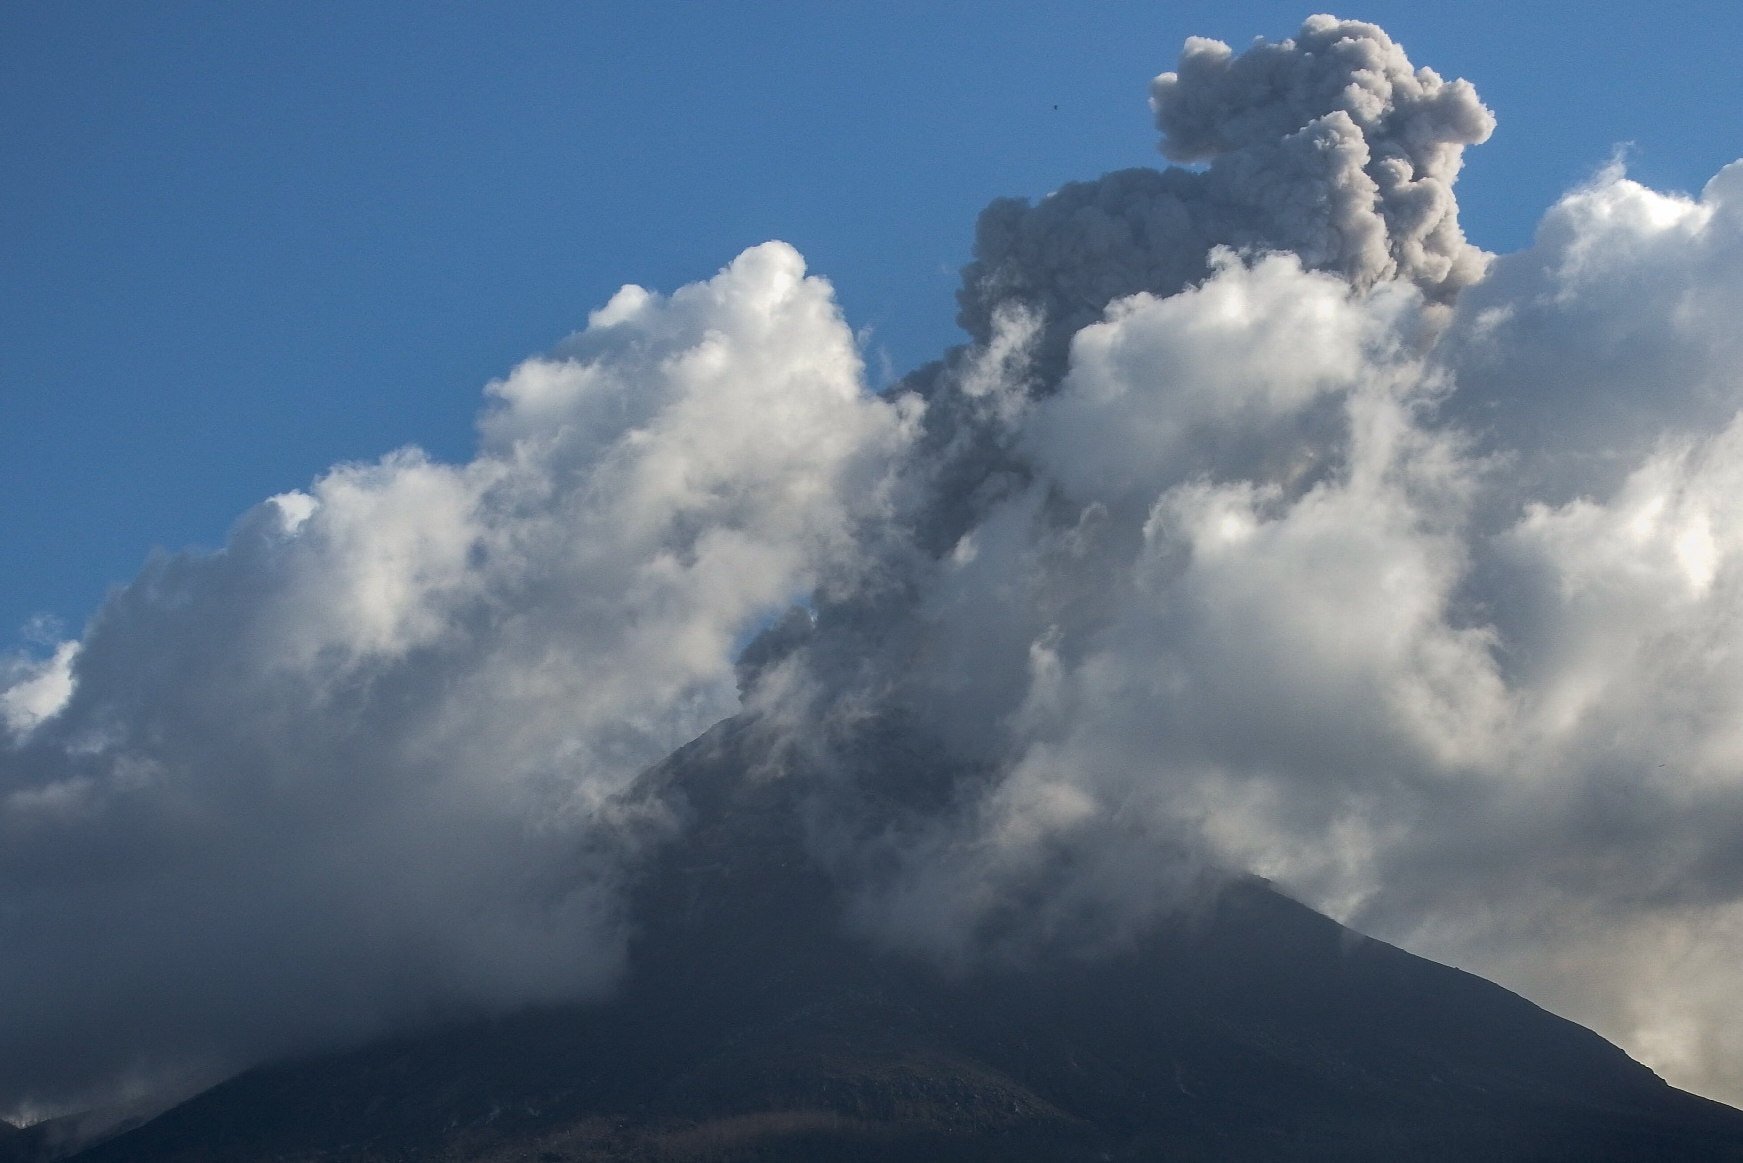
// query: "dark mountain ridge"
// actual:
[[752, 1025]]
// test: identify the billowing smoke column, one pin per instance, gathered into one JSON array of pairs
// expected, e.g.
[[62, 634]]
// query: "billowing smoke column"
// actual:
[[1330, 146], [1263, 524], [1266, 524]]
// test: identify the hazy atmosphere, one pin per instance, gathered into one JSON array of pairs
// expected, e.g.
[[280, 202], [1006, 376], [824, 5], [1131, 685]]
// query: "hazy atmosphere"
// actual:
[[1244, 509]]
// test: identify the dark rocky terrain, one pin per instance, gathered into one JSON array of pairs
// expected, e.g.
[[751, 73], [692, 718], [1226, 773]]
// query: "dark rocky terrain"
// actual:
[[752, 1026], [15, 1143]]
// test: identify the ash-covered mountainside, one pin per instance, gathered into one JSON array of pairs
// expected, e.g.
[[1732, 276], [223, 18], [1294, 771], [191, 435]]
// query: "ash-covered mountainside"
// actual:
[[754, 1025]]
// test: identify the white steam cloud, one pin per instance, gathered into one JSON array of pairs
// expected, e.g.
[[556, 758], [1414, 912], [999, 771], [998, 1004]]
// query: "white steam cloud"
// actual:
[[352, 769], [1265, 523]]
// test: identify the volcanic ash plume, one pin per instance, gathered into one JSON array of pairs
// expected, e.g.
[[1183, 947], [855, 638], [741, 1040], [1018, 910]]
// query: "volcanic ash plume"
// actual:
[[1330, 147]]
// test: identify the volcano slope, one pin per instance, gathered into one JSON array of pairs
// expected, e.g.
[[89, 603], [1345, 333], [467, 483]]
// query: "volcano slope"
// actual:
[[752, 1025]]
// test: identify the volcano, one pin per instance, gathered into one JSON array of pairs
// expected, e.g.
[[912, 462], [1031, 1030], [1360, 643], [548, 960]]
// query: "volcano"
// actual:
[[736, 760], [754, 1025]]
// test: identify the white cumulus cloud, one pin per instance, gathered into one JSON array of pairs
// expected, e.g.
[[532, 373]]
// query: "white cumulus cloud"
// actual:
[[349, 770]]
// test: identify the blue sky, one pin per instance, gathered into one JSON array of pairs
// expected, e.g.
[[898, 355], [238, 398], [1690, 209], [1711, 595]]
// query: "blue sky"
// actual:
[[244, 242]]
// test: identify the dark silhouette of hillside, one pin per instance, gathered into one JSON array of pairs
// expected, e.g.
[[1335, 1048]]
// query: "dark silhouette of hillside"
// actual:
[[753, 1026]]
